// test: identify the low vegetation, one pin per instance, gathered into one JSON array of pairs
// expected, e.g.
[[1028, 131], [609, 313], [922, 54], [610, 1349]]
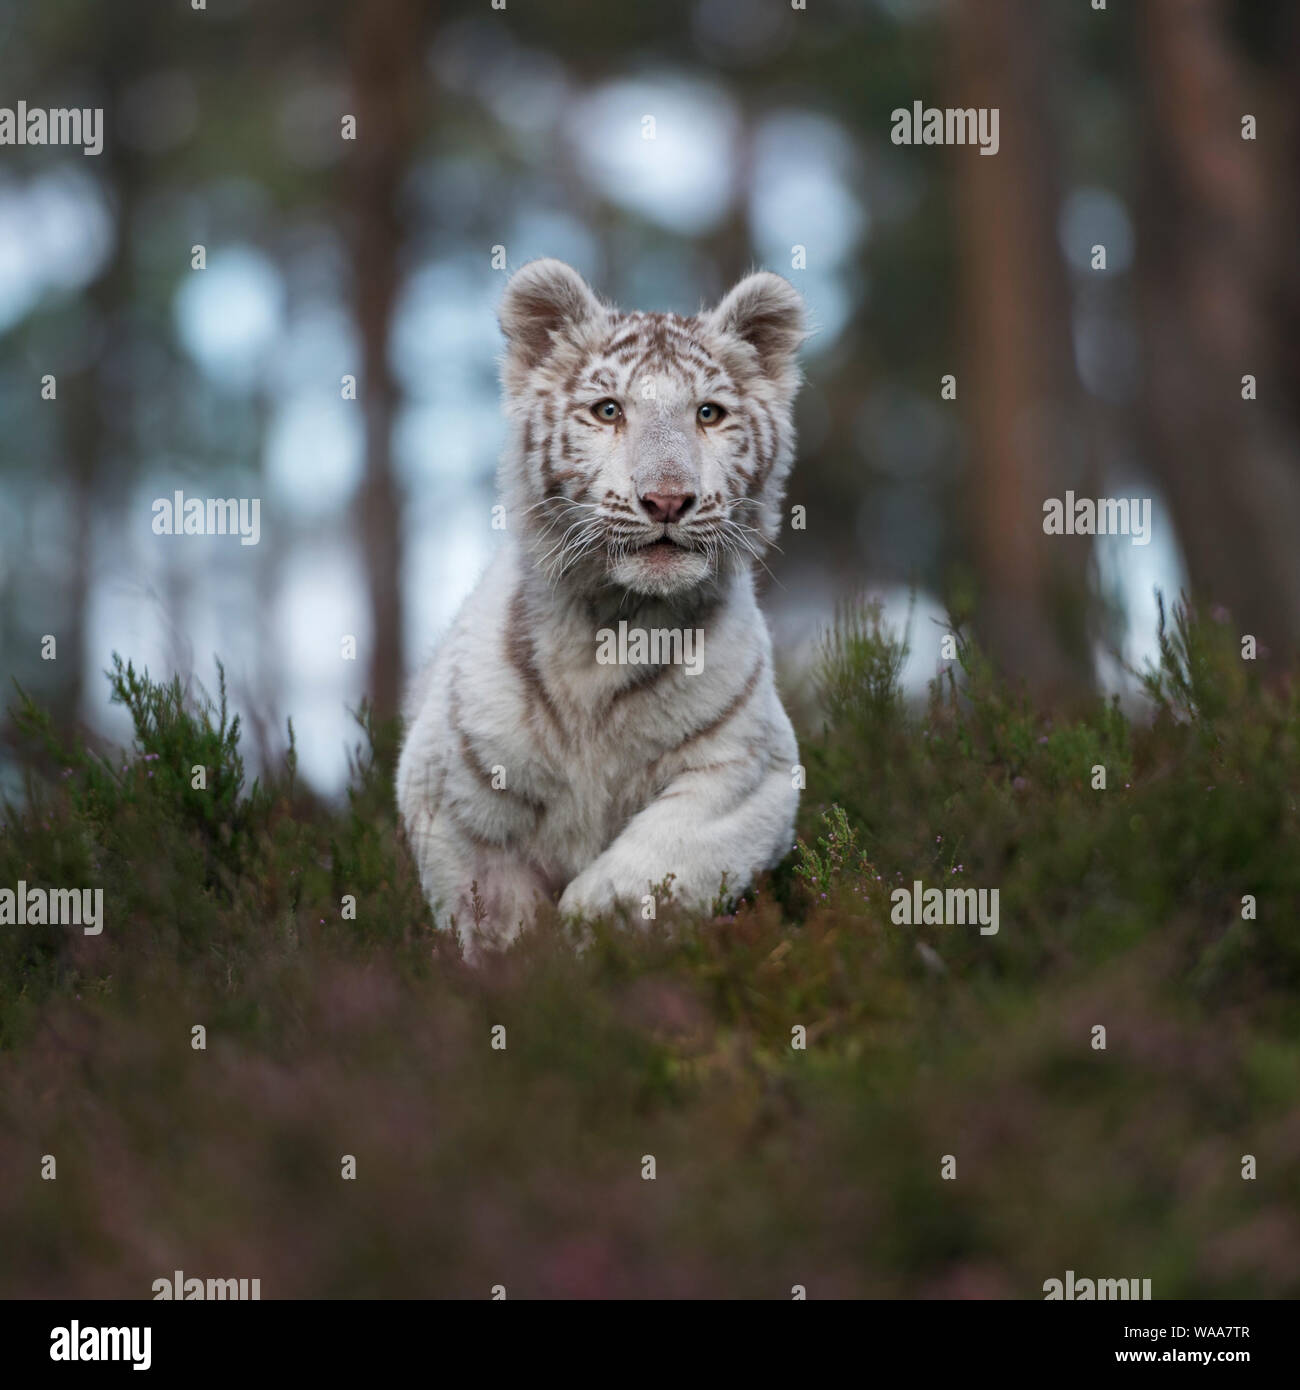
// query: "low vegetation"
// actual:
[[1162, 908]]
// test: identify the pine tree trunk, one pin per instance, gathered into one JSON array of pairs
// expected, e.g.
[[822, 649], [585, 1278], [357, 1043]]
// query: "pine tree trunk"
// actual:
[[387, 51], [1017, 385]]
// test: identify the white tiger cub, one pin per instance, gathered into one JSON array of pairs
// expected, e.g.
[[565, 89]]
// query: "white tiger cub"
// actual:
[[642, 481]]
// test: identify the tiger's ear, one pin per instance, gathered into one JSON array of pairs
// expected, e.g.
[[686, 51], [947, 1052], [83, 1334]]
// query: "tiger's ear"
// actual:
[[767, 312], [543, 300]]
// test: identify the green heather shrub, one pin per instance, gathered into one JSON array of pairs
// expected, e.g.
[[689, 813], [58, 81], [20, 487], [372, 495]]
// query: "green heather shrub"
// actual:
[[798, 1066]]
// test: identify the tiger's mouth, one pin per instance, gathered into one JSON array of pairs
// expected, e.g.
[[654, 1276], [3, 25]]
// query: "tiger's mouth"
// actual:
[[660, 565], [663, 545]]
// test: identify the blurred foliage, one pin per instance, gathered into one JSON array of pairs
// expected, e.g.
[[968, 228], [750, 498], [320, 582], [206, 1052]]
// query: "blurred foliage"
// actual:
[[775, 1166]]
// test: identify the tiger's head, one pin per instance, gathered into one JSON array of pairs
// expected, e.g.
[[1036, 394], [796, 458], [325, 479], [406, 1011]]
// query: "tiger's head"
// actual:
[[648, 452]]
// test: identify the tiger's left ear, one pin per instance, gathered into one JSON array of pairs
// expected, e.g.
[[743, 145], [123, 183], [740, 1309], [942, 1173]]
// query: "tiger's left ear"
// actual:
[[767, 312]]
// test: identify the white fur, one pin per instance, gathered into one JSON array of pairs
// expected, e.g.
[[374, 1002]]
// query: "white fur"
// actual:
[[608, 787]]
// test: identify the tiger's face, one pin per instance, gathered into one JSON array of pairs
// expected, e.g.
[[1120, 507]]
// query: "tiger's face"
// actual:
[[649, 451]]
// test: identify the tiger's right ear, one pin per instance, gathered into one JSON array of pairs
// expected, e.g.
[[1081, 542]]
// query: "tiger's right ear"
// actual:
[[543, 300]]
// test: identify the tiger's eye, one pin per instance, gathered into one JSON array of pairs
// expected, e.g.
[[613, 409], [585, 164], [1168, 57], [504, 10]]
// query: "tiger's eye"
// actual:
[[608, 411], [710, 413]]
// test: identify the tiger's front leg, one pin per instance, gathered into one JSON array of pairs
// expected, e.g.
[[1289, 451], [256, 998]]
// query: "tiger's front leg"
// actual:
[[713, 829]]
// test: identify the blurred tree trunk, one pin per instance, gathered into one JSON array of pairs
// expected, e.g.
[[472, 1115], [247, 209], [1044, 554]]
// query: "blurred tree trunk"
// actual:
[[97, 400], [1204, 273], [82, 433], [387, 53], [1018, 384]]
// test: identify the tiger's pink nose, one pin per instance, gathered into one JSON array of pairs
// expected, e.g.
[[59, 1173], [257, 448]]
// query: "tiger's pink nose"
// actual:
[[667, 506]]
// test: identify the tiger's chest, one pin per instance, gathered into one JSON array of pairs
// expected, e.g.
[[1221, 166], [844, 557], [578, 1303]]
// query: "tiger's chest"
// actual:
[[603, 761]]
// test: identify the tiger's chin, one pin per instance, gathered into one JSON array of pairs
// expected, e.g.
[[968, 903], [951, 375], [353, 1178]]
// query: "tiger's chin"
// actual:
[[660, 569]]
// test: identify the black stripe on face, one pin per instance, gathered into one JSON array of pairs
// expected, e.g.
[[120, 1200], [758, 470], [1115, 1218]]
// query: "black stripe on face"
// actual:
[[767, 454], [545, 444], [709, 506], [572, 465]]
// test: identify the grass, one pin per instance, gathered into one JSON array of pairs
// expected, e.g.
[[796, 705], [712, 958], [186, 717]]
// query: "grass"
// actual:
[[775, 1165]]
